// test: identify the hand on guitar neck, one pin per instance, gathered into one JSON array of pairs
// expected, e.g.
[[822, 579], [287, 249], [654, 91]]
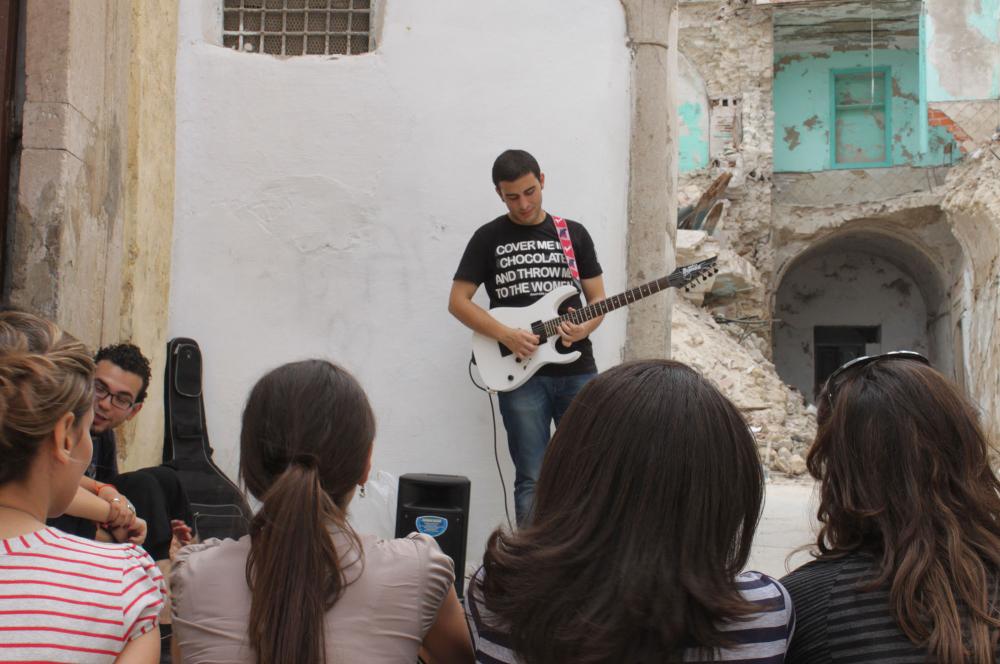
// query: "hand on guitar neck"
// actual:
[[570, 332]]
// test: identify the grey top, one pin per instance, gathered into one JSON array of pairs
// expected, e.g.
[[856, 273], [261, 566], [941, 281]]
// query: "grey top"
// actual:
[[842, 619], [383, 615]]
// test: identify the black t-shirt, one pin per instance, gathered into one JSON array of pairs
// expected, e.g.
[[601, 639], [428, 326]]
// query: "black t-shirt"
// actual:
[[519, 264]]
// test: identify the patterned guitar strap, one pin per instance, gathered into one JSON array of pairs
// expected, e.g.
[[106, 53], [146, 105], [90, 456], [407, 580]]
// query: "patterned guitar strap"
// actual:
[[562, 231]]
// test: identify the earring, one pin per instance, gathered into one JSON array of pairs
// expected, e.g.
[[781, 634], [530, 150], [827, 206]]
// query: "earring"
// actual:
[[361, 490]]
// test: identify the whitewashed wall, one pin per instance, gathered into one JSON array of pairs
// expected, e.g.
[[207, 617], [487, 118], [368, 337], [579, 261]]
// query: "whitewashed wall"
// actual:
[[323, 203]]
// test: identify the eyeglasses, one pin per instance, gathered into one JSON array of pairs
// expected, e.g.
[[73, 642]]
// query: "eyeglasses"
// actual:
[[119, 400], [833, 384]]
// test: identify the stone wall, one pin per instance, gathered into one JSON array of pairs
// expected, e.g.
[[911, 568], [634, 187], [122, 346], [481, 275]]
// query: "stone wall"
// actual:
[[973, 208], [90, 242], [730, 44]]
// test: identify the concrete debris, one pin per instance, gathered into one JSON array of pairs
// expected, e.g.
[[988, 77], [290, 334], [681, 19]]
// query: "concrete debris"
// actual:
[[778, 415]]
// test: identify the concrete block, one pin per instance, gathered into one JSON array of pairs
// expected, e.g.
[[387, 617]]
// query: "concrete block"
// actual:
[[46, 50], [57, 126], [90, 48]]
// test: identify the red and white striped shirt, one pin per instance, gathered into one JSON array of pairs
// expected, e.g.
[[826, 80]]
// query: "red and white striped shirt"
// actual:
[[68, 599]]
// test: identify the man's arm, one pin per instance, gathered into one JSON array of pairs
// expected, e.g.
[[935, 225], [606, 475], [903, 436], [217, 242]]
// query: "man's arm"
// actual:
[[593, 291], [460, 305]]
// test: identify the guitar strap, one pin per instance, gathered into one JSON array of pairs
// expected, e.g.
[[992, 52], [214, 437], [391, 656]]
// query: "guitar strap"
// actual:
[[562, 232]]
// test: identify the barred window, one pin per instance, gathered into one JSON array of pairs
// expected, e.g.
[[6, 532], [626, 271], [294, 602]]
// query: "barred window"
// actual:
[[299, 27]]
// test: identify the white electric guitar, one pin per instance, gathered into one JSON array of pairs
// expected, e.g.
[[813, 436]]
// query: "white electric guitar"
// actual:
[[503, 371]]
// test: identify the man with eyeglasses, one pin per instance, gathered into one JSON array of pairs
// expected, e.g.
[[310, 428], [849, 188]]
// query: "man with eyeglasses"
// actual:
[[120, 384]]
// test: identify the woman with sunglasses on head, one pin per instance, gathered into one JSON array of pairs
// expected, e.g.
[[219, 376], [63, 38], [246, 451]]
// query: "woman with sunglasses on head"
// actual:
[[645, 511], [908, 561], [64, 598], [304, 587]]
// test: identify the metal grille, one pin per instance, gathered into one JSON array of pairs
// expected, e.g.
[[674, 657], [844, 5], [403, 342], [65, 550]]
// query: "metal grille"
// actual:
[[976, 121], [298, 27]]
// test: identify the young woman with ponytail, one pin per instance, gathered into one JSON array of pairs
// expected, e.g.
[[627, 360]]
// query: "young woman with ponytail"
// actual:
[[908, 555], [64, 598], [304, 587]]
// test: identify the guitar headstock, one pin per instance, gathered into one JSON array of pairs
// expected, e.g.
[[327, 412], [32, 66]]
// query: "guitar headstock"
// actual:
[[690, 275]]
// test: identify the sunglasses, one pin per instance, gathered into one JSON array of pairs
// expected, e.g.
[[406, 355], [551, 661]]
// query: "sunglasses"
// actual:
[[833, 383]]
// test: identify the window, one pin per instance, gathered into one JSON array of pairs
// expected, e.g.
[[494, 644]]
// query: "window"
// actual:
[[862, 118], [298, 27]]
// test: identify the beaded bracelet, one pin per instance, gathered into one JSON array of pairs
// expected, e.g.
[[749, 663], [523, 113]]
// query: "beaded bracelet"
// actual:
[[102, 485]]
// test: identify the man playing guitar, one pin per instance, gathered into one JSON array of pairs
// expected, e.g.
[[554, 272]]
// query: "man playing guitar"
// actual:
[[519, 257]]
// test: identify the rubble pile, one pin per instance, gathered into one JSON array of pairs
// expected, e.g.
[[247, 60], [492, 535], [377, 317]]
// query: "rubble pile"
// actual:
[[782, 423]]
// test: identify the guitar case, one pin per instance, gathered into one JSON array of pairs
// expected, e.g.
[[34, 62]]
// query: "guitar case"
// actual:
[[219, 507]]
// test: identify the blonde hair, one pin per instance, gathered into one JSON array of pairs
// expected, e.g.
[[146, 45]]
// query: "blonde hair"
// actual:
[[44, 374]]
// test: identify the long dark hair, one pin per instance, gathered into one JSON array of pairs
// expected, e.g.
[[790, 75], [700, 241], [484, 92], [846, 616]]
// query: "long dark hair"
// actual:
[[904, 475], [306, 438], [644, 514]]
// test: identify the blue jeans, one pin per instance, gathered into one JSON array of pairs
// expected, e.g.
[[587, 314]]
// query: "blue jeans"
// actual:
[[528, 413]]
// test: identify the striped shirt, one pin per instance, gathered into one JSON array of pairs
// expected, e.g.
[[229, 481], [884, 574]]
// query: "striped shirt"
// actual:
[[67, 599], [763, 638], [841, 621]]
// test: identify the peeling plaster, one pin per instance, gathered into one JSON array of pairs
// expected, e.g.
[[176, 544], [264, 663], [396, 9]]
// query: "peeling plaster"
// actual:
[[846, 26], [802, 95], [963, 50], [899, 93], [693, 143], [792, 137]]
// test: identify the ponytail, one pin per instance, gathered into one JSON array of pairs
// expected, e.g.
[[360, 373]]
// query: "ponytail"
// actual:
[[305, 443], [293, 569]]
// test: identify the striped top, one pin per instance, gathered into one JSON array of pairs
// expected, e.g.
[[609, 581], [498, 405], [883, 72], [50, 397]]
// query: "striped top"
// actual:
[[840, 621], [67, 599], [763, 638]]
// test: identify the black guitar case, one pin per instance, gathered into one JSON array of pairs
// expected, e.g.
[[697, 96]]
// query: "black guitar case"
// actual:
[[219, 507]]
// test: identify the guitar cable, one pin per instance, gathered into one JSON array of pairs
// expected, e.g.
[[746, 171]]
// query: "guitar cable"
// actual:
[[496, 453]]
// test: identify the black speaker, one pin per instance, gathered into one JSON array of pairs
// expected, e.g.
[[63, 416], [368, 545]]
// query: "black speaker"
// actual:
[[436, 505]]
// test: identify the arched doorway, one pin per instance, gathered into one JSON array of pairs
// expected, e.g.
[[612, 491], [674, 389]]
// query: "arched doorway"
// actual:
[[861, 292]]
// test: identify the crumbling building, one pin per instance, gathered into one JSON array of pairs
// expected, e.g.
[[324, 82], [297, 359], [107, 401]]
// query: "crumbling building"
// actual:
[[862, 211]]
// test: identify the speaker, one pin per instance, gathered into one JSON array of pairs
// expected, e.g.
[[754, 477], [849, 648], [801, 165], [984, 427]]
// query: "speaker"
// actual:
[[436, 505]]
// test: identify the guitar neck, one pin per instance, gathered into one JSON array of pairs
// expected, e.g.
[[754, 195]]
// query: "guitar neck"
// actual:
[[602, 307]]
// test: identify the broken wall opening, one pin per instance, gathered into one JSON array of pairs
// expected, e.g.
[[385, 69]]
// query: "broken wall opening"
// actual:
[[835, 345], [860, 292]]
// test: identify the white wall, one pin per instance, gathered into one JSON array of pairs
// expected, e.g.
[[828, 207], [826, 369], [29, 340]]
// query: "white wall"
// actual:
[[322, 205]]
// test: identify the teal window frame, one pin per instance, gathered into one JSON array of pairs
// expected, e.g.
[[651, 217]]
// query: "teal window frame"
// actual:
[[886, 73]]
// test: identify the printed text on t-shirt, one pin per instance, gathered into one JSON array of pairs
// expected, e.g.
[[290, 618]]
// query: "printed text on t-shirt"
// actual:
[[530, 267]]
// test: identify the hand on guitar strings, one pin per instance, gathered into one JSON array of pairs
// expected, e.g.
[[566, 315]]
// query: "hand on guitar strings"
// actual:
[[570, 332], [520, 342]]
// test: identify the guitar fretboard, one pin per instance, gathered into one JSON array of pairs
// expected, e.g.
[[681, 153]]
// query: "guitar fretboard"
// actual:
[[591, 311]]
